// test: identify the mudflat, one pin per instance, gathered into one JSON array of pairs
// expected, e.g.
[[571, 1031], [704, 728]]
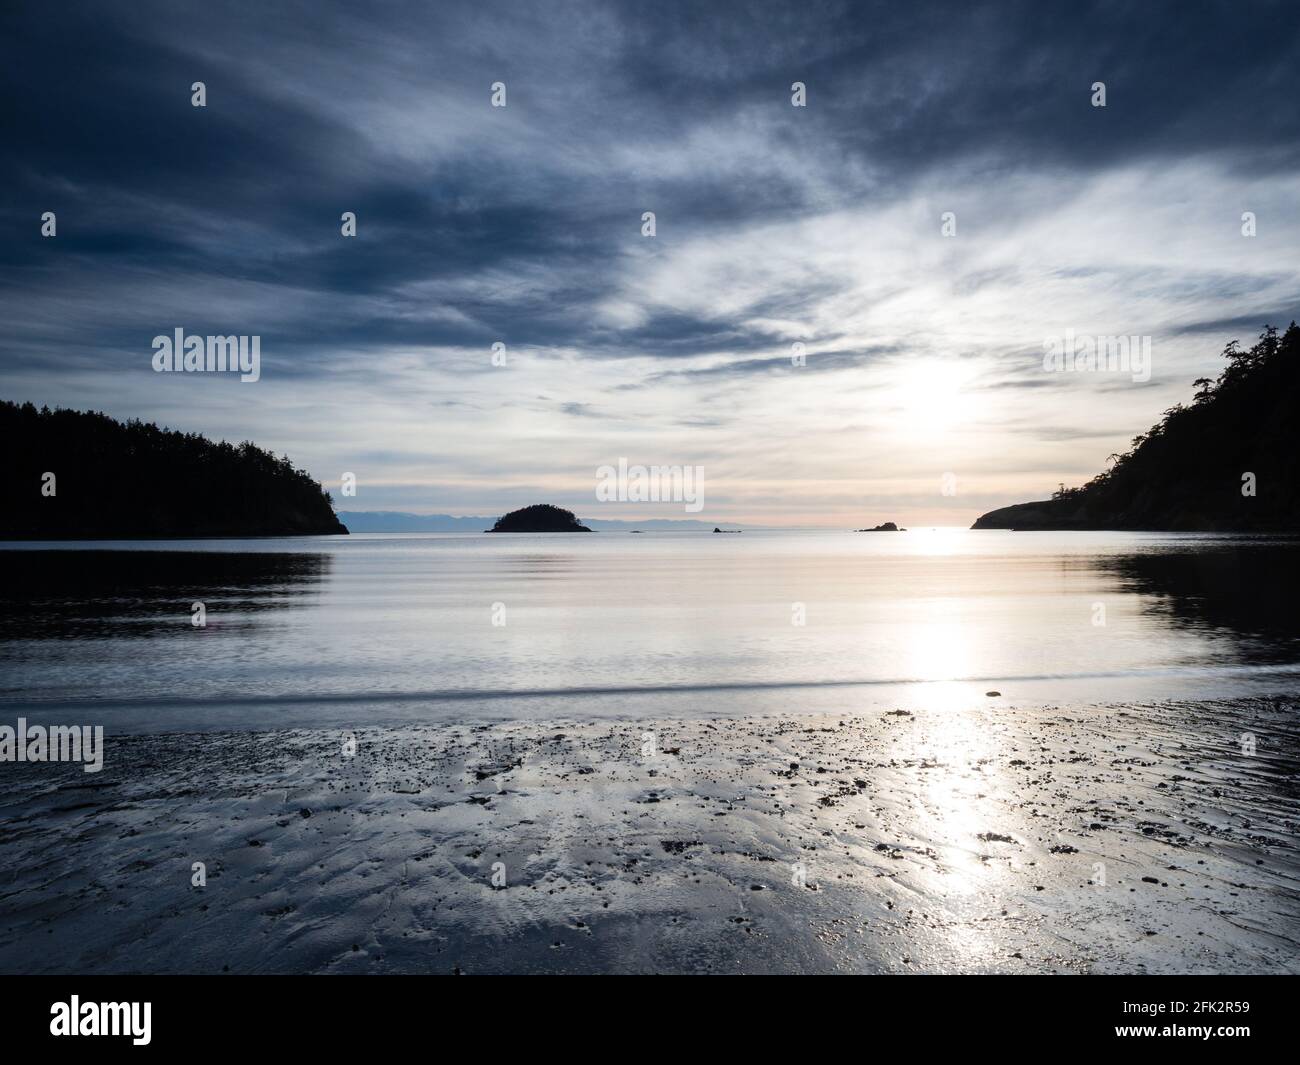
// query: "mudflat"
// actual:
[[980, 838]]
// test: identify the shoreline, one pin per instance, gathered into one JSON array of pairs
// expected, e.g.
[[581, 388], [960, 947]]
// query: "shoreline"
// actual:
[[956, 840]]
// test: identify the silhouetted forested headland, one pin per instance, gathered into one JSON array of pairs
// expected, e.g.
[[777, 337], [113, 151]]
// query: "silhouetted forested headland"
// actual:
[[1230, 461], [539, 518], [83, 475]]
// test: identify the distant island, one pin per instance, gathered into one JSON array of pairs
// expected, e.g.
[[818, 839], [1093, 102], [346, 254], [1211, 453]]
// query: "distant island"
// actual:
[[889, 526], [539, 518], [1228, 462], [393, 521], [77, 475]]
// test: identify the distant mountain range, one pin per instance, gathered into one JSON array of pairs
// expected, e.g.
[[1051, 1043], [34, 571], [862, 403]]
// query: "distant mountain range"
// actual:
[[389, 521], [1228, 462]]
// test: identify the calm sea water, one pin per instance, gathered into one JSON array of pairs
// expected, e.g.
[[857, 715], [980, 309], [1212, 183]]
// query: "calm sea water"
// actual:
[[386, 628]]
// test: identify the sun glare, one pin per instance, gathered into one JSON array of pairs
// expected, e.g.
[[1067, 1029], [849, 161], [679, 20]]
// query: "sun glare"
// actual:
[[929, 395]]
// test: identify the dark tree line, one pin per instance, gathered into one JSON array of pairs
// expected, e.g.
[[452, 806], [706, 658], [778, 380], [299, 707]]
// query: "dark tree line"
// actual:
[[540, 517], [1186, 471], [132, 479]]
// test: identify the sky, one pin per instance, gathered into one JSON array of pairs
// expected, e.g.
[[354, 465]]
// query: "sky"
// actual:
[[949, 199]]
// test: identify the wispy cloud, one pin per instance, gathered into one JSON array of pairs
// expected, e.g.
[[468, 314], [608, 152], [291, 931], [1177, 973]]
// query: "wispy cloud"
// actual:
[[780, 231]]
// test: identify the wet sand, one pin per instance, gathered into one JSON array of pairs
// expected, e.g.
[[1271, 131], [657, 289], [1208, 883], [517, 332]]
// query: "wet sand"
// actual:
[[984, 838]]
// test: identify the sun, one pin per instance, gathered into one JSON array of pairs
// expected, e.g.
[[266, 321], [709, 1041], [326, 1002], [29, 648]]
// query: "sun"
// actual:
[[929, 395]]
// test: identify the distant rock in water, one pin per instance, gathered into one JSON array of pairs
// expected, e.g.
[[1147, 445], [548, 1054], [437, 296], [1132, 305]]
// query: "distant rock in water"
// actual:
[[539, 518], [77, 475], [725, 531], [889, 526], [1228, 462]]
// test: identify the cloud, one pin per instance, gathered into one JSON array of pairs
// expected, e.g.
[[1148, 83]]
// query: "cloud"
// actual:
[[775, 225]]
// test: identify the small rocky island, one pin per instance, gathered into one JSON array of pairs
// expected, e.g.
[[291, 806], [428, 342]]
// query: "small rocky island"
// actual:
[[539, 518], [889, 526]]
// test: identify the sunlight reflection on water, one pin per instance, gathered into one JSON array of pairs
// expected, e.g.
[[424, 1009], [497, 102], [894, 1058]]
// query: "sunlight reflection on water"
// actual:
[[599, 624]]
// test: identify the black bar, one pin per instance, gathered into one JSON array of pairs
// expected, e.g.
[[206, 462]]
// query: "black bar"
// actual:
[[228, 1014]]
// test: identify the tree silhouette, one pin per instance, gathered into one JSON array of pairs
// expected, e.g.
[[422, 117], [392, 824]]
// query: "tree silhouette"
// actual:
[[1186, 471], [133, 479]]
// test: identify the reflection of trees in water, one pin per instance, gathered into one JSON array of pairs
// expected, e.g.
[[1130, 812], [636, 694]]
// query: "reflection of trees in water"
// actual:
[[1252, 591], [116, 594]]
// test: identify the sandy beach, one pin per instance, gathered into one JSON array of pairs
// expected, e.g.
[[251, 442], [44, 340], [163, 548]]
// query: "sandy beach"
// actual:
[[984, 838]]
